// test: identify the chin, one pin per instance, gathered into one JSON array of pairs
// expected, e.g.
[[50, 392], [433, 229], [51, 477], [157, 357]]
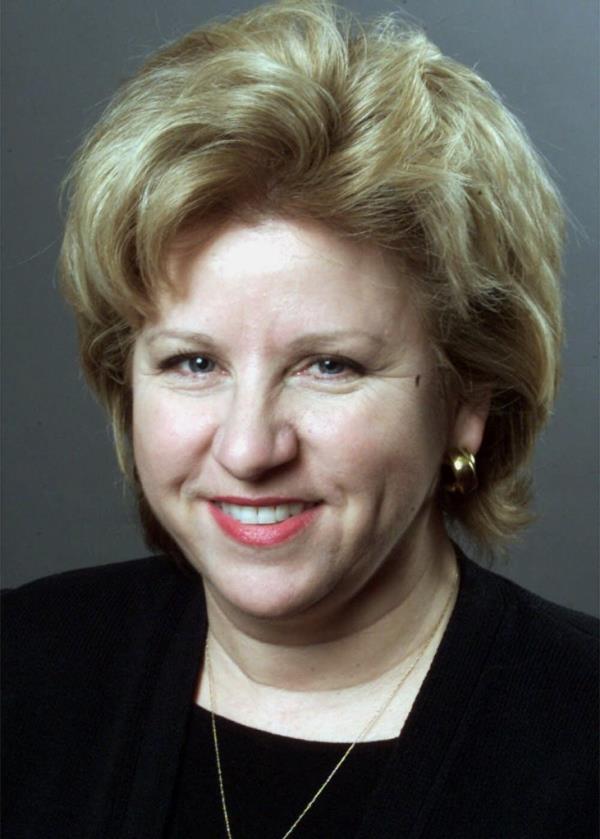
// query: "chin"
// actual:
[[267, 595]]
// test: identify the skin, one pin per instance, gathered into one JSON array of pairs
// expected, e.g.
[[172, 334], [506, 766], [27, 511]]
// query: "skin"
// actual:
[[314, 379]]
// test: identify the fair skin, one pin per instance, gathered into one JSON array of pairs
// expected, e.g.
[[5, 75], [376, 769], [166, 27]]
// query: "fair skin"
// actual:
[[289, 366]]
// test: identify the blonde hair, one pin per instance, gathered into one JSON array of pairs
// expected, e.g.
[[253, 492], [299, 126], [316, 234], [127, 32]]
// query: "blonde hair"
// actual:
[[295, 109]]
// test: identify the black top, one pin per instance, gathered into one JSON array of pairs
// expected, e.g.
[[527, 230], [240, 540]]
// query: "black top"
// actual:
[[101, 667], [269, 779]]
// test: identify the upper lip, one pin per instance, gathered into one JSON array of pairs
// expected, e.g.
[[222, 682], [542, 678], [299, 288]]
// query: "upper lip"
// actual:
[[266, 501]]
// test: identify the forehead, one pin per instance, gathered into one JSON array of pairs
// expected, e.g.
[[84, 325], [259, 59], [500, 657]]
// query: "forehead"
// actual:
[[271, 247], [278, 273]]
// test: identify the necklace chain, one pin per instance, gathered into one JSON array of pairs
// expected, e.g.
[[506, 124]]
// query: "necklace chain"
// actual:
[[364, 733]]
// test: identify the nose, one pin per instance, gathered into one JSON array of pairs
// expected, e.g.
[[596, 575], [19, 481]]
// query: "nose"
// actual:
[[252, 438]]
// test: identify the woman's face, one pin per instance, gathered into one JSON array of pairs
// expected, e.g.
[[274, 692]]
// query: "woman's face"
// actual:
[[288, 419]]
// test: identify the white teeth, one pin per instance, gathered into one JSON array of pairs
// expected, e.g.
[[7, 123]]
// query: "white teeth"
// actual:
[[281, 512], [266, 515], [248, 515], [263, 515]]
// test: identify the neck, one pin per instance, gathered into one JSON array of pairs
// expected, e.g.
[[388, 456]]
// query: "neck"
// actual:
[[352, 643]]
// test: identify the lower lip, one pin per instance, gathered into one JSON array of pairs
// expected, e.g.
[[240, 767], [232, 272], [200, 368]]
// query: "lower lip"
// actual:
[[263, 535]]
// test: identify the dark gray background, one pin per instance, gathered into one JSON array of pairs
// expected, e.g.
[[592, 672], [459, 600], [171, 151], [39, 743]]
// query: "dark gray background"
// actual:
[[62, 498]]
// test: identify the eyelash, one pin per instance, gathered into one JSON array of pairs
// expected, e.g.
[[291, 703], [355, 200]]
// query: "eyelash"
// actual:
[[352, 367], [174, 361]]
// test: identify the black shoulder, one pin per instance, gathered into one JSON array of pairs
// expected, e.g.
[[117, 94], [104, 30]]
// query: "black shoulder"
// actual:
[[80, 603], [539, 642], [557, 621], [553, 641], [100, 579], [570, 621]]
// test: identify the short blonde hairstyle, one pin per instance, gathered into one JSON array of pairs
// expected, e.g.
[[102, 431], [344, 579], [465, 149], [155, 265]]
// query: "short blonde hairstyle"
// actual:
[[295, 109]]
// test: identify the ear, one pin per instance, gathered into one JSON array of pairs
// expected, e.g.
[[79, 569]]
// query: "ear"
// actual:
[[468, 425]]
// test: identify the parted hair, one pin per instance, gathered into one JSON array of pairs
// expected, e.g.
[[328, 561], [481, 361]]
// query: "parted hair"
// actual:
[[296, 109]]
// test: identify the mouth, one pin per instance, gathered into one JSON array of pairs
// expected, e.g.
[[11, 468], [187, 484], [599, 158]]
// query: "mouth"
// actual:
[[263, 514], [262, 522]]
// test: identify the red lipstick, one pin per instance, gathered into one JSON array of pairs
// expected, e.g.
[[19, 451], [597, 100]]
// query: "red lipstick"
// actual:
[[261, 535]]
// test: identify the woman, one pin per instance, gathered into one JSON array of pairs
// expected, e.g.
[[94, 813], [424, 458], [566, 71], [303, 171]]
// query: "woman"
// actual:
[[315, 276]]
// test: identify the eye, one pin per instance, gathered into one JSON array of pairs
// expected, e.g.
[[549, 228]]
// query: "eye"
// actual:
[[189, 364], [199, 364], [329, 367]]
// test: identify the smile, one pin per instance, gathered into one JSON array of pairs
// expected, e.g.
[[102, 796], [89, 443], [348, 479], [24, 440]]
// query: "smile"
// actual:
[[263, 525], [263, 515]]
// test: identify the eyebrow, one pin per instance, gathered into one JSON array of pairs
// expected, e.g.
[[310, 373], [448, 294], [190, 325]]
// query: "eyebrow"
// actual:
[[311, 339], [155, 334], [307, 340]]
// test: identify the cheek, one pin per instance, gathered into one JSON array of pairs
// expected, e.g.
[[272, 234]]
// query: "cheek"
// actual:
[[167, 437], [366, 438], [385, 443]]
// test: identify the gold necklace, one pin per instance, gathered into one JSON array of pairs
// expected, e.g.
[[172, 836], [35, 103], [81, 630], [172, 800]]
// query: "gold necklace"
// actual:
[[377, 716]]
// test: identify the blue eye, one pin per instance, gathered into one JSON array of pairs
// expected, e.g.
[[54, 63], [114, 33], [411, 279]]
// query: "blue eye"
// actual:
[[331, 366], [199, 364], [188, 364]]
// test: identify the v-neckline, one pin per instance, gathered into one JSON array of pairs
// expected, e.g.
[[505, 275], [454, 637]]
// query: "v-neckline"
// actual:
[[423, 750], [426, 741]]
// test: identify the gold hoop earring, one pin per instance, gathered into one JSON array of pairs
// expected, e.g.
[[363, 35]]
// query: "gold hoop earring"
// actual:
[[464, 475]]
